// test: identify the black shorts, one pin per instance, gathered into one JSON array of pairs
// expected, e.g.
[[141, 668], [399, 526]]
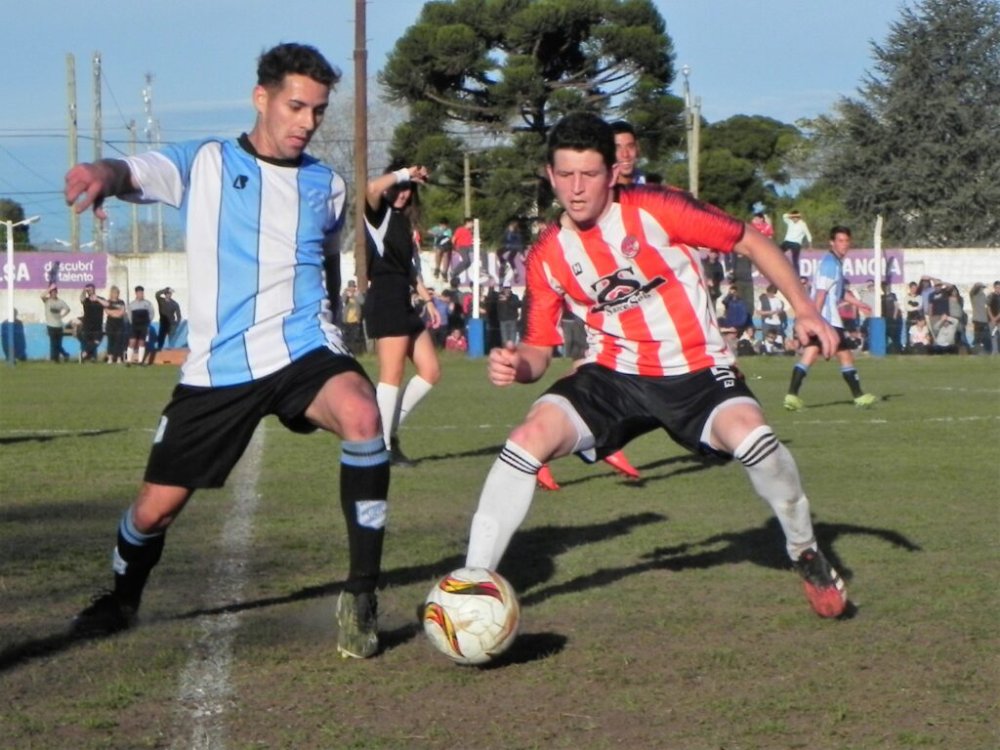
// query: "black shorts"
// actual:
[[388, 308], [618, 408], [139, 331], [203, 431], [844, 342]]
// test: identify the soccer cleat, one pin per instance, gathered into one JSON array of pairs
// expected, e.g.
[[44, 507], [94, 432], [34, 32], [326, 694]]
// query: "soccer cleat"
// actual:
[[865, 401], [396, 456], [620, 464], [106, 614], [824, 587], [357, 622], [545, 479], [794, 403]]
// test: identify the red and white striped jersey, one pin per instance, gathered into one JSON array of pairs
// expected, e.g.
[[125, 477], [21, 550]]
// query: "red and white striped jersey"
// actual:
[[636, 281]]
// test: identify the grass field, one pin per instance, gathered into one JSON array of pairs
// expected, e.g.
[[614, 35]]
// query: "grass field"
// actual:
[[656, 614]]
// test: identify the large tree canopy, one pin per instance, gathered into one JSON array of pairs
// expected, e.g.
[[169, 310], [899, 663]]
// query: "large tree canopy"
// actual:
[[921, 144], [506, 70]]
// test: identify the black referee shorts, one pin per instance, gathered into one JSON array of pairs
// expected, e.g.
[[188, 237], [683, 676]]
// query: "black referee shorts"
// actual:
[[203, 431], [617, 408]]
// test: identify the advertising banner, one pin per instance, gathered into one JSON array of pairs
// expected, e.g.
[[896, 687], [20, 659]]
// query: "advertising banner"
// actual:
[[66, 270]]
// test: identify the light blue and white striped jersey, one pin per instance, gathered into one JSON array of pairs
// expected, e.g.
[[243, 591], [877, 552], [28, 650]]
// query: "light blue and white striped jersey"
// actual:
[[830, 279], [254, 235]]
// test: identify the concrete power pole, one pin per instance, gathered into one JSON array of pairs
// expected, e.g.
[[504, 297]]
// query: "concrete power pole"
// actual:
[[153, 139], [74, 218], [98, 138], [360, 144]]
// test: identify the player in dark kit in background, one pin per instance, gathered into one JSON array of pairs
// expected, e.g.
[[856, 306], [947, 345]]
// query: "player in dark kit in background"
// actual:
[[656, 357], [261, 337]]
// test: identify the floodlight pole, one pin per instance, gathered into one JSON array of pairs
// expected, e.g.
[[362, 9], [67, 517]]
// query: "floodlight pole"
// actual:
[[9, 270], [692, 126]]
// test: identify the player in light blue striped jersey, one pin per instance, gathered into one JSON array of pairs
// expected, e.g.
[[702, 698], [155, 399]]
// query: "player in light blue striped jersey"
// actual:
[[258, 213]]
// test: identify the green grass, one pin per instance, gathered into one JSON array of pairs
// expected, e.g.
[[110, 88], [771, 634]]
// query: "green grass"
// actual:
[[657, 614]]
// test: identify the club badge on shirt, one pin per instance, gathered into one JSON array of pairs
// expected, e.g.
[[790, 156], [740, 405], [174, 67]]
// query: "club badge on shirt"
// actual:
[[630, 246]]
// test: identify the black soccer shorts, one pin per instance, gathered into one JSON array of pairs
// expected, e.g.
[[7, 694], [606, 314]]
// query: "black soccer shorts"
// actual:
[[203, 431], [617, 408]]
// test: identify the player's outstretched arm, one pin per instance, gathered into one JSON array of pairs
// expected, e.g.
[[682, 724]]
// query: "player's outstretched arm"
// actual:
[[523, 363], [772, 263], [88, 184]]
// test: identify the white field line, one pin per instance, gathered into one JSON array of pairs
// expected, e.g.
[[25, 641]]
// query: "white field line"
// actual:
[[205, 691]]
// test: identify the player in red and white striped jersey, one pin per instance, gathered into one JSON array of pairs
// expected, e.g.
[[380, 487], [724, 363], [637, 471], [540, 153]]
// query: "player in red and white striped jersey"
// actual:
[[656, 359]]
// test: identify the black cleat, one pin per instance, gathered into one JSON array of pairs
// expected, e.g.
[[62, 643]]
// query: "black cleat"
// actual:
[[106, 614], [396, 456]]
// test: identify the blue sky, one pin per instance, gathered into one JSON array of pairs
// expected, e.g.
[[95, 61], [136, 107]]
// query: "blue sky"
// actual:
[[785, 59]]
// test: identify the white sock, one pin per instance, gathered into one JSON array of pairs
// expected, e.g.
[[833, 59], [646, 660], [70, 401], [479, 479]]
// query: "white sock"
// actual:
[[775, 477], [413, 394], [503, 506], [387, 398], [142, 355]]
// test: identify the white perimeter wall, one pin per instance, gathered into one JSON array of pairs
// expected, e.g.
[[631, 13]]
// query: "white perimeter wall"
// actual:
[[963, 267]]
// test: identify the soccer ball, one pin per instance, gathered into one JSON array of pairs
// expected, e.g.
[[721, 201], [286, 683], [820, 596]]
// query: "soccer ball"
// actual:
[[471, 615]]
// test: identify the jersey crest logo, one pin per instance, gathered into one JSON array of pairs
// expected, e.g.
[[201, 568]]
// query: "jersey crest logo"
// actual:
[[241, 181], [630, 246], [620, 291]]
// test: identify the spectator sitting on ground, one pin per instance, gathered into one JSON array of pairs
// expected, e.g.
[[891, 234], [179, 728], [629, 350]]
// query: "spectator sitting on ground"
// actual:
[[919, 336], [456, 341]]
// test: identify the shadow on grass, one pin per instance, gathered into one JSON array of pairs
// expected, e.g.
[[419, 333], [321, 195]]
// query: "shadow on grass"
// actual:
[[45, 437], [531, 554], [762, 546]]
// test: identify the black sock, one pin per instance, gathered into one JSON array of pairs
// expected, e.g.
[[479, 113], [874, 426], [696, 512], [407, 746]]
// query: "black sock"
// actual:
[[364, 485], [798, 375], [853, 381], [134, 559]]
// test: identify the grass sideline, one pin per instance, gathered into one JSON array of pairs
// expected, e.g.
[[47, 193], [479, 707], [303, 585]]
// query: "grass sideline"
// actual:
[[657, 614]]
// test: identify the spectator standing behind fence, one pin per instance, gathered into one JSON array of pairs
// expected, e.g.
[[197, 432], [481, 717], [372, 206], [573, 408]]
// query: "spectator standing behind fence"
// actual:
[[461, 241], [993, 313], [762, 224], [508, 315], [140, 316], [893, 316], [56, 311], [115, 326], [91, 324], [980, 318], [170, 315], [797, 236], [440, 235], [511, 246]]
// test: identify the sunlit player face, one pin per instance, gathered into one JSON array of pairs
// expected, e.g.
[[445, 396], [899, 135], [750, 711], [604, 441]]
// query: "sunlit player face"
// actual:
[[288, 116], [626, 154], [840, 244], [582, 183]]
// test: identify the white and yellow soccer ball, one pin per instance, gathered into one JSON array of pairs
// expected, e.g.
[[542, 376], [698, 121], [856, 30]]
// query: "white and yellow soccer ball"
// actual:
[[471, 615]]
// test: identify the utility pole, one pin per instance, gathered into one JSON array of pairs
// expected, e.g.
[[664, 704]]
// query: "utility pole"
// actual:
[[74, 217], [98, 230], [135, 206], [153, 139], [467, 178], [692, 123], [360, 145]]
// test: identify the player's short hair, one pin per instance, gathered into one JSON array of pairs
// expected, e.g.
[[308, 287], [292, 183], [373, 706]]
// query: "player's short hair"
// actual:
[[840, 229], [582, 131], [295, 59], [622, 126]]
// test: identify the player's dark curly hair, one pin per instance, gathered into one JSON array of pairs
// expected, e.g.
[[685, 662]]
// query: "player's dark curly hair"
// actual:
[[294, 59], [582, 131]]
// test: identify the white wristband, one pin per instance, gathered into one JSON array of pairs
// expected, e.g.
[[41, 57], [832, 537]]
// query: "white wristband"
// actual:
[[402, 175]]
